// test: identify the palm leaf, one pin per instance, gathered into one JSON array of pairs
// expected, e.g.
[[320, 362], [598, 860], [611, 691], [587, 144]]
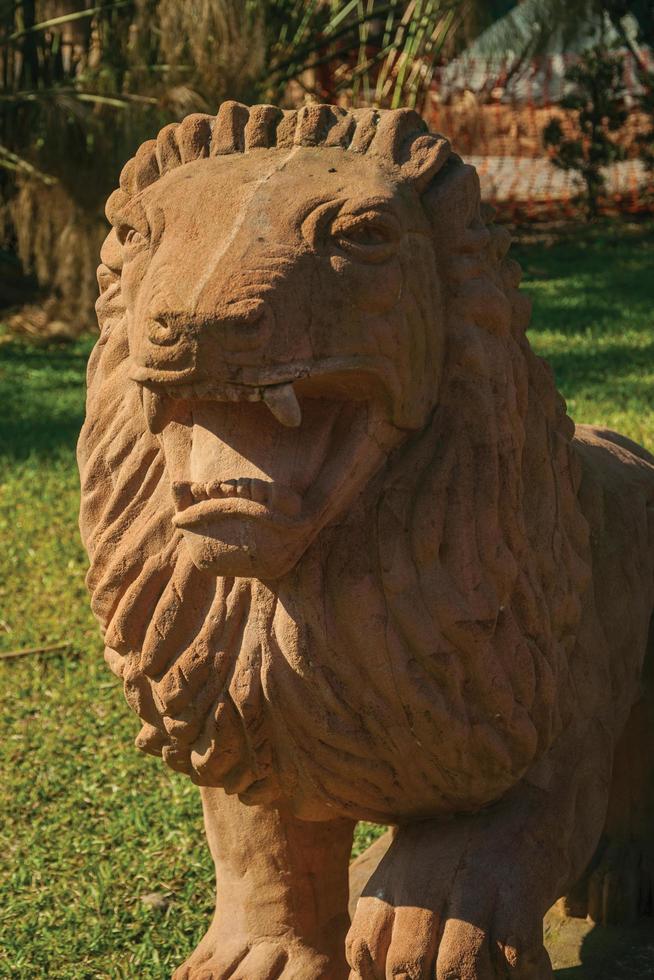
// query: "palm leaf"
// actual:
[[66, 19], [11, 161]]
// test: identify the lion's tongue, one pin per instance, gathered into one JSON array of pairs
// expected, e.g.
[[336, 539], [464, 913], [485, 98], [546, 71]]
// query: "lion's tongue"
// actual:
[[233, 440]]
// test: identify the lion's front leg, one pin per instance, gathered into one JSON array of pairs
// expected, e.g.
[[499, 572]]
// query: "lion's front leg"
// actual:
[[281, 895], [464, 899]]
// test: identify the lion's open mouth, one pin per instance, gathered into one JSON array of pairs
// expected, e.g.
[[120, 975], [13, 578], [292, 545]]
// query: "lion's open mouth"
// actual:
[[243, 461], [257, 470]]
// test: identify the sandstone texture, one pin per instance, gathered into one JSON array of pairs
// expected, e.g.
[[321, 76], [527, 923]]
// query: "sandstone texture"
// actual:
[[352, 559]]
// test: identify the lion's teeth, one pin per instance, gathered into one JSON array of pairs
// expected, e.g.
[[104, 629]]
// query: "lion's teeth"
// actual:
[[157, 409], [282, 402], [199, 491], [280, 498]]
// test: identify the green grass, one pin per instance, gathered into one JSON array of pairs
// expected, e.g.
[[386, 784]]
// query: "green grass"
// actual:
[[593, 320], [89, 825]]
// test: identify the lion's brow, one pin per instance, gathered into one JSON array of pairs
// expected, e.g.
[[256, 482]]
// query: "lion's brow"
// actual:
[[238, 224]]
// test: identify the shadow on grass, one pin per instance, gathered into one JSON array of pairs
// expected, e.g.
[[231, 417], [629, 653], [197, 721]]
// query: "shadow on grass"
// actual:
[[625, 953], [44, 438], [595, 367], [595, 278], [574, 312], [41, 398]]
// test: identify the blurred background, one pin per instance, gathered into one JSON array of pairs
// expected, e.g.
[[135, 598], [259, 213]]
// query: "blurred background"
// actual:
[[103, 867], [551, 100]]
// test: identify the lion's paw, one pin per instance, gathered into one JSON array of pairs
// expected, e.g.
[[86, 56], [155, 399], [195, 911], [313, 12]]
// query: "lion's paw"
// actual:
[[274, 959], [468, 952], [384, 941], [408, 943], [620, 887]]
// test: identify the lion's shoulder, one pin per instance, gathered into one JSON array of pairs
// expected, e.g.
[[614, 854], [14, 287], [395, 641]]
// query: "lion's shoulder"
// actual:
[[613, 460], [616, 496]]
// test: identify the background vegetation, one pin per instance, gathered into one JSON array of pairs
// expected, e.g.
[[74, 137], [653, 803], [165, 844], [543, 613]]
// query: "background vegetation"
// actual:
[[82, 85], [84, 82], [92, 828]]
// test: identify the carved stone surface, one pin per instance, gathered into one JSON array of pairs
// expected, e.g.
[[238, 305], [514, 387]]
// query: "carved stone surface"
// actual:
[[351, 558]]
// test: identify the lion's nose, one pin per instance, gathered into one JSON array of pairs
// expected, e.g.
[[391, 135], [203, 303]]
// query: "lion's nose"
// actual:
[[236, 326], [164, 331]]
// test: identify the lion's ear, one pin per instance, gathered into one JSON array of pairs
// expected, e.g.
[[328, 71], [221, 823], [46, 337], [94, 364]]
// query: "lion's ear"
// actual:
[[403, 138], [426, 155]]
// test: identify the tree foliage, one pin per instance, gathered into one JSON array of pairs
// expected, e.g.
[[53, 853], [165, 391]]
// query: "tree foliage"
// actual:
[[597, 97], [84, 82], [77, 83]]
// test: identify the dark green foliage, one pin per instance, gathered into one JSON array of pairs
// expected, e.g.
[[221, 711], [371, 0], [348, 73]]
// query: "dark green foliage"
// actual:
[[82, 85], [622, 15], [642, 12], [646, 105], [597, 96], [67, 107]]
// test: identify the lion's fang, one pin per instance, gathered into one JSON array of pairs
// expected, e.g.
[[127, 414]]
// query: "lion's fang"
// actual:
[[282, 402], [157, 409]]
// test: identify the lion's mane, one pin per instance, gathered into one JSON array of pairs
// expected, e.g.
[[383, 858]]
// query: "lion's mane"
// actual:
[[469, 550]]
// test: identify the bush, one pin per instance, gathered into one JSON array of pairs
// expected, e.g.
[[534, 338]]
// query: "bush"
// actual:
[[597, 95]]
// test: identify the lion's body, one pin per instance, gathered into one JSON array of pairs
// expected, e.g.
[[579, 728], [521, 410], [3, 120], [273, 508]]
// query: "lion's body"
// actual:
[[617, 499], [485, 591]]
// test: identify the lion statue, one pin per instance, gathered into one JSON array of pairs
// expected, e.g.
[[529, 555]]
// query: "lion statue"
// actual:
[[352, 560]]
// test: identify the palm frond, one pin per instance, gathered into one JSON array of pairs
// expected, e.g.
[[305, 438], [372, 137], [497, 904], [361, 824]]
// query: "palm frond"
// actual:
[[82, 85], [66, 19], [12, 161]]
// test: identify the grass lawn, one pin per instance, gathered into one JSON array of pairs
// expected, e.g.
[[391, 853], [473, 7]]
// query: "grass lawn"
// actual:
[[89, 825]]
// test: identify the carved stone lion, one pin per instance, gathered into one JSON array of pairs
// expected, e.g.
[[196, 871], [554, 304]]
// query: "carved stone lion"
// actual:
[[351, 558]]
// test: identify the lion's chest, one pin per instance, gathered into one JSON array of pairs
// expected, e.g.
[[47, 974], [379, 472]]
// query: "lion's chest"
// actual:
[[366, 717]]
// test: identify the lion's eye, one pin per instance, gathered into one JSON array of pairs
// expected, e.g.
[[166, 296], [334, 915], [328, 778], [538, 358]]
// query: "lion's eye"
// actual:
[[365, 235], [371, 240], [133, 237]]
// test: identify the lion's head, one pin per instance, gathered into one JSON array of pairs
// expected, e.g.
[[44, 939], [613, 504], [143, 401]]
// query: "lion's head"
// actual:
[[328, 490], [273, 267]]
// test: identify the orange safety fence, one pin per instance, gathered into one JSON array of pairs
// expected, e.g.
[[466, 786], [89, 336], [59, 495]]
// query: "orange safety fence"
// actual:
[[495, 117]]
